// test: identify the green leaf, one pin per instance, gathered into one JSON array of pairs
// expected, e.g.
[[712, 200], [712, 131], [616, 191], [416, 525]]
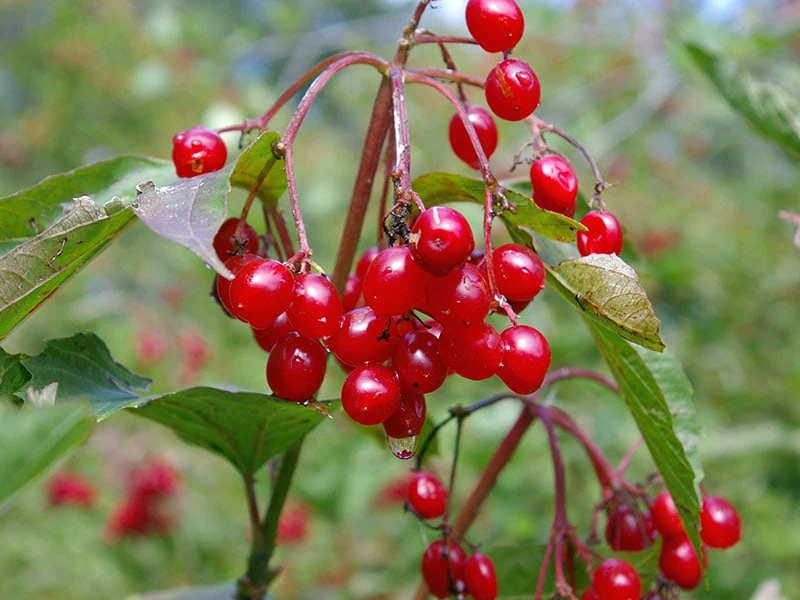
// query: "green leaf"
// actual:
[[13, 376], [83, 369], [31, 439], [607, 291], [440, 188], [770, 108], [658, 396], [190, 211], [31, 271]]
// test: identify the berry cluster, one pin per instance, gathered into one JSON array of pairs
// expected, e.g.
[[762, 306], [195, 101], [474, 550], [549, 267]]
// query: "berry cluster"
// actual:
[[70, 489]]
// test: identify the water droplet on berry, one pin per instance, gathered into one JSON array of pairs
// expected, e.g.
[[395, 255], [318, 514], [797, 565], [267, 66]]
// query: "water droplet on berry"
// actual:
[[402, 448]]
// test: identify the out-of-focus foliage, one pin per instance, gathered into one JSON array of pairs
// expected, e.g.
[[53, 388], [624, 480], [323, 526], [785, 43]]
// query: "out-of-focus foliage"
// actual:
[[699, 195]]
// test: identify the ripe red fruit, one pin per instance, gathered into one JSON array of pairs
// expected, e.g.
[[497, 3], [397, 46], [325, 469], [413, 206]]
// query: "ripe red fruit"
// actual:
[[234, 264], [352, 293], [370, 394], [720, 526], [157, 478], [365, 260], [526, 358], [441, 240], [316, 308], [590, 594], [133, 517], [665, 516], [394, 283], [443, 567], [267, 338], [604, 235], [485, 128], [614, 579], [296, 367], [70, 489], [198, 150], [474, 352], [497, 25], [519, 272], [417, 362], [678, 562], [555, 186], [363, 336], [409, 417], [427, 495], [512, 90], [260, 291], [151, 347], [227, 243], [459, 298], [480, 578], [629, 531], [293, 524]]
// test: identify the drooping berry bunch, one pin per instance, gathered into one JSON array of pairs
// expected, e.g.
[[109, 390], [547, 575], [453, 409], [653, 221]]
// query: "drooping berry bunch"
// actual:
[[70, 489]]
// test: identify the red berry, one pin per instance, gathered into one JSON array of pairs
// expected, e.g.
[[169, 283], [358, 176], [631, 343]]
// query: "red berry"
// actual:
[[629, 531], [363, 336], [720, 526], [70, 489], [480, 578], [615, 579], [512, 90], [267, 338], [370, 394], [157, 478], [260, 291], [485, 129], [526, 358], [417, 362], [590, 594], [131, 518], [427, 495], [555, 186], [352, 293], [394, 283], [152, 346], [316, 308], [365, 260], [293, 524], [497, 25], [441, 240], [459, 298], [443, 567], [678, 562], [519, 272], [227, 243], [234, 264], [296, 367], [409, 417], [474, 352], [604, 235], [665, 516], [198, 150]]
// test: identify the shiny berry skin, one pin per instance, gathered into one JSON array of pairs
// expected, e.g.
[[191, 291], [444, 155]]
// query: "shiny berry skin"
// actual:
[[70, 489], [614, 579], [485, 128], [720, 526], [427, 495], [474, 352], [497, 25], [267, 338], [370, 394], [234, 264], [526, 358], [198, 150], [352, 293], [480, 578], [627, 531], [589, 594], [443, 567], [678, 562], [441, 240], [512, 90], [227, 243], [409, 417], [394, 283], [363, 336], [604, 235], [555, 186], [365, 260], [296, 367], [665, 516], [260, 291], [519, 272], [316, 308], [459, 298], [418, 363]]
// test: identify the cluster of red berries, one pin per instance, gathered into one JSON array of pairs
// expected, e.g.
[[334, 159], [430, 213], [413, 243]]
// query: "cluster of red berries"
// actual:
[[445, 566], [70, 489], [145, 510]]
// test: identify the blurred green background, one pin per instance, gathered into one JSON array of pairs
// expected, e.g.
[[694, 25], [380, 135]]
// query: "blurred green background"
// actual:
[[699, 193]]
